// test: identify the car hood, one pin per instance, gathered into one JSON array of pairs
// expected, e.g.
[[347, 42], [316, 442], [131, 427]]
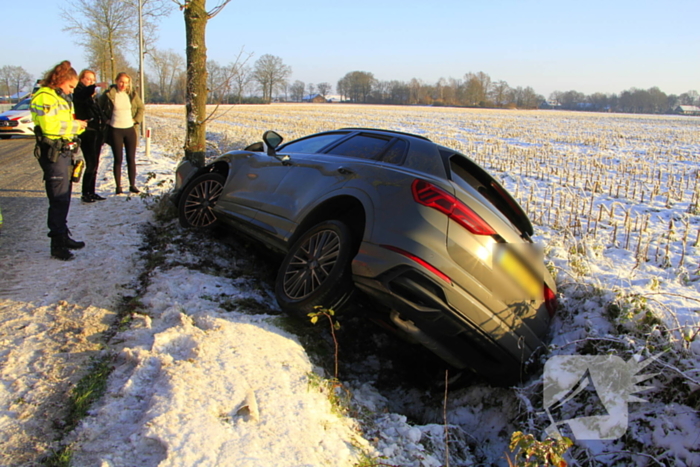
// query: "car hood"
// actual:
[[14, 114]]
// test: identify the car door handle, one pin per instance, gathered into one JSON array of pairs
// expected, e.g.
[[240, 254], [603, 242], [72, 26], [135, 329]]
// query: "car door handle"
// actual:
[[345, 171]]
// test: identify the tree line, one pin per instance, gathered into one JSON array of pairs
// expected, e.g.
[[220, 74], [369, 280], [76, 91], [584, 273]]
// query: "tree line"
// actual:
[[652, 100], [267, 79], [107, 30]]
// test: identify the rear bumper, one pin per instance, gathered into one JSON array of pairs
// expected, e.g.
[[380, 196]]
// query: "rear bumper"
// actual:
[[464, 331]]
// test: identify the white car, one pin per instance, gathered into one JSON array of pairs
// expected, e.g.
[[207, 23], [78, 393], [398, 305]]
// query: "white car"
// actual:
[[17, 121]]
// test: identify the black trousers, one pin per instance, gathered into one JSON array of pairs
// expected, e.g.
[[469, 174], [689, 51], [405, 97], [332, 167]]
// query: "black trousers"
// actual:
[[91, 145], [57, 179], [119, 139]]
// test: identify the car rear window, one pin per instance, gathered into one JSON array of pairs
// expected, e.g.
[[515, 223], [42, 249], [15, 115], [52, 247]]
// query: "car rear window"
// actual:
[[361, 146], [466, 173], [462, 176], [313, 144]]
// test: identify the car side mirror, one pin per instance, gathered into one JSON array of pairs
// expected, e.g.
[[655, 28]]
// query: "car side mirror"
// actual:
[[271, 140]]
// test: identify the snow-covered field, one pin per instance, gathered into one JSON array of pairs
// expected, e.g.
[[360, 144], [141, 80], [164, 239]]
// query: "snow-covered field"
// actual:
[[208, 372]]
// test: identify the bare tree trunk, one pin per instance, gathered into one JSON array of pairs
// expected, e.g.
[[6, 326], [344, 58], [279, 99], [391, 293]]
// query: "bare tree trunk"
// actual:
[[111, 58], [196, 18]]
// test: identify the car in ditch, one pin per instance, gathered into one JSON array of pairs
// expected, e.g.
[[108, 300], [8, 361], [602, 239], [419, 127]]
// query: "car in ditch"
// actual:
[[435, 242], [17, 121]]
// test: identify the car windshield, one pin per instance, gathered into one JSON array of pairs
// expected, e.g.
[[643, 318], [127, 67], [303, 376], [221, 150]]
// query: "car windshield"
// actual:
[[22, 105]]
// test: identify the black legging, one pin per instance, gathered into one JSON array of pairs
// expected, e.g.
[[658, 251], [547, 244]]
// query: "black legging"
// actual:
[[118, 139], [91, 145]]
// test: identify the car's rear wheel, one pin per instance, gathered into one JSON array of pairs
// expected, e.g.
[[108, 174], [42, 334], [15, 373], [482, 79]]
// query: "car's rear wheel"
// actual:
[[5, 136], [195, 208], [316, 270]]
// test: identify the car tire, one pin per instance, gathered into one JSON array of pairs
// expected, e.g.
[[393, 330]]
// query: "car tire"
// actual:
[[5, 136], [316, 270], [198, 199]]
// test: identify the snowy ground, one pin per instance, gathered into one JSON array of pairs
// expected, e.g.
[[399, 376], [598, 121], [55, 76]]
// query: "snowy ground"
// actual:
[[208, 372]]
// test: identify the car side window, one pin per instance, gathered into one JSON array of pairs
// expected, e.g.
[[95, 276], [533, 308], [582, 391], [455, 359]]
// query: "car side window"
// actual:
[[361, 147], [311, 145], [396, 154]]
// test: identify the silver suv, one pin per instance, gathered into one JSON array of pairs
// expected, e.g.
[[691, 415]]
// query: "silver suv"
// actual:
[[437, 244]]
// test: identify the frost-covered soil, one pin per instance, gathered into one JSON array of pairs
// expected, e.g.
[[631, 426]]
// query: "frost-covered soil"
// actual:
[[207, 371]]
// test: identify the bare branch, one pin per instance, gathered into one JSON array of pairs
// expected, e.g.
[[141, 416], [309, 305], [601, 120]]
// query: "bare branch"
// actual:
[[217, 9]]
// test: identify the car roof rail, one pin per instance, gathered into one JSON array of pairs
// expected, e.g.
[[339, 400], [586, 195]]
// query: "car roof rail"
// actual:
[[387, 131]]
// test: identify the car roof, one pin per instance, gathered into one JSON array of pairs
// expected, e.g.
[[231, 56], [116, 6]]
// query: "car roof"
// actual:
[[379, 130]]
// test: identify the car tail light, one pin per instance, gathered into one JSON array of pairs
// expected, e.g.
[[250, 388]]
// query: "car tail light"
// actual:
[[427, 194], [550, 301], [420, 261]]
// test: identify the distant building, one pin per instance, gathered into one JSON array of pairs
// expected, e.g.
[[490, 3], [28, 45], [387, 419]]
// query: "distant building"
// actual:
[[550, 104], [315, 98], [688, 110]]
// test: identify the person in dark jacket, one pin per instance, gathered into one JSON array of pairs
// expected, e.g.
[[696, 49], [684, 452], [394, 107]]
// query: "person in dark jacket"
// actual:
[[124, 110], [86, 108]]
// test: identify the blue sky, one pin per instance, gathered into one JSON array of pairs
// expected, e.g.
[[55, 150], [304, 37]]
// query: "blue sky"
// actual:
[[592, 46]]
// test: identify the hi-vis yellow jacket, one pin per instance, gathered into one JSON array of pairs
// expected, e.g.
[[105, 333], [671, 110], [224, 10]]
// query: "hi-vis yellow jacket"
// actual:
[[54, 115]]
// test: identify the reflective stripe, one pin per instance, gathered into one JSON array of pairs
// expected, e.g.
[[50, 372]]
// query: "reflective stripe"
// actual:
[[54, 115], [40, 111]]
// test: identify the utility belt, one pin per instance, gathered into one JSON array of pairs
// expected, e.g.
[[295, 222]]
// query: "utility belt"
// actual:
[[56, 146]]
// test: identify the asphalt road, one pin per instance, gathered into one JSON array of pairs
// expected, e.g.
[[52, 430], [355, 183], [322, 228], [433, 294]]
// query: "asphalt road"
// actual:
[[52, 315], [22, 197]]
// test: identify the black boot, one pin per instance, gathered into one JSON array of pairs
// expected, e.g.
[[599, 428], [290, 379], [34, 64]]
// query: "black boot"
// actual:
[[59, 249], [71, 244]]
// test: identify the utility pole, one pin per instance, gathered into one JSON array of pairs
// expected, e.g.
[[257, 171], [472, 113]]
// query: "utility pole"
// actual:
[[141, 73]]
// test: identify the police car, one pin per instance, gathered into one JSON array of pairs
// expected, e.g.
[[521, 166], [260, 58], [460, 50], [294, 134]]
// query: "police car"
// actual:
[[17, 121]]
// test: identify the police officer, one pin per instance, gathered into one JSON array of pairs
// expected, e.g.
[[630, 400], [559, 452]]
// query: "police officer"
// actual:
[[57, 144]]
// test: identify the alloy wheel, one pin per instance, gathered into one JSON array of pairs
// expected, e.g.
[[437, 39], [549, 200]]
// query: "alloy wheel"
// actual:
[[312, 264], [200, 201]]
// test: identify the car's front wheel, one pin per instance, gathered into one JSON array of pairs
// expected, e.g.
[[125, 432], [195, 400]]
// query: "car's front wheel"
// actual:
[[316, 270], [195, 208]]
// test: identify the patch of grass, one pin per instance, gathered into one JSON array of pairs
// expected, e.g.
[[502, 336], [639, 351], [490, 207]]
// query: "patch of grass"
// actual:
[[529, 452], [247, 305], [90, 388], [693, 400], [338, 395], [317, 348], [60, 458], [613, 311], [126, 309], [593, 346], [367, 461]]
